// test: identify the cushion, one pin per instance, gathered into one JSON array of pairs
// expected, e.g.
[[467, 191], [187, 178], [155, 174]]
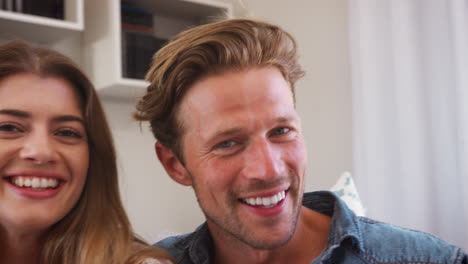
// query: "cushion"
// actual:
[[346, 190]]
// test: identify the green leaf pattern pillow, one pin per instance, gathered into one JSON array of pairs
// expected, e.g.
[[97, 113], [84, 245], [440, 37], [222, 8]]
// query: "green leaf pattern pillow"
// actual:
[[346, 190]]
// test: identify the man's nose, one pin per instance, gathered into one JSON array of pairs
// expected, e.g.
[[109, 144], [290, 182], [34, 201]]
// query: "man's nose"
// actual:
[[39, 149], [262, 160]]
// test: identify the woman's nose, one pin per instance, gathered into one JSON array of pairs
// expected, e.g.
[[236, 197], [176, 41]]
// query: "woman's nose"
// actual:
[[38, 148]]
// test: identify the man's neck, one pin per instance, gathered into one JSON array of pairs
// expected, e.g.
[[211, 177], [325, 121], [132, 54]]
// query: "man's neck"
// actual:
[[307, 242]]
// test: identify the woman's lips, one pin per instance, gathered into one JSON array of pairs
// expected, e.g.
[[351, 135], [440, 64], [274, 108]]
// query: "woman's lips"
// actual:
[[35, 184]]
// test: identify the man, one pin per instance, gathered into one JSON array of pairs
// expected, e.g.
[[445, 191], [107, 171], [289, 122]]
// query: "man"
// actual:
[[221, 105]]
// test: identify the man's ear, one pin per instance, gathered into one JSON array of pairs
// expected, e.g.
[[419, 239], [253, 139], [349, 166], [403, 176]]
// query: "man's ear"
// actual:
[[173, 166]]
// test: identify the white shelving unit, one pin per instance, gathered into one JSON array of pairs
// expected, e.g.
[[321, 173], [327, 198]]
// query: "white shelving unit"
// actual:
[[14, 25], [102, 37]]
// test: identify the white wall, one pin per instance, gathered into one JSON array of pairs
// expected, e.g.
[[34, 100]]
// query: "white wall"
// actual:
[[156, 204]]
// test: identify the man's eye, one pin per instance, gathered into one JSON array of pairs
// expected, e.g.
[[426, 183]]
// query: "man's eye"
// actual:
[[226, 144], [280, 131], [69, 133]]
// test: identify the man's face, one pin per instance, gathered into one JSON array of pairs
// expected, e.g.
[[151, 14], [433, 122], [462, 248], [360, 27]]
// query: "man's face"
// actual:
[[245, 155]]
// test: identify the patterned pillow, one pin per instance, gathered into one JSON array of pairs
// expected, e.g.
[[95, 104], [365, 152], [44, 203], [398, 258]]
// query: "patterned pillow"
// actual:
[[346, 190]]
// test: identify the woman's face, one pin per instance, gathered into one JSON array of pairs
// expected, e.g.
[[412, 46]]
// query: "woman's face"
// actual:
[[43, 151]]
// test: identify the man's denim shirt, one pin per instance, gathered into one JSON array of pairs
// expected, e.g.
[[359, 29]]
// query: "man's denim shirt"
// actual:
[[352, 240]]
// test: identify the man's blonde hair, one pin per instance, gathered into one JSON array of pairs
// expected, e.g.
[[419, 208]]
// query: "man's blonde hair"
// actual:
[[212, 49]]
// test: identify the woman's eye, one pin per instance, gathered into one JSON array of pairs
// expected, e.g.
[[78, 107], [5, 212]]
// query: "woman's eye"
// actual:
[[9, 128], [69, 133]]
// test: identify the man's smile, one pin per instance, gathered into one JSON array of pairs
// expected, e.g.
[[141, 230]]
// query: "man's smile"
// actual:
[[266, 201]]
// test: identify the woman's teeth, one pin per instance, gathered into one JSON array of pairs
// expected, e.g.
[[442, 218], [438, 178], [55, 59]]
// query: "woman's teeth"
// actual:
[[38, 183], [269, 201]]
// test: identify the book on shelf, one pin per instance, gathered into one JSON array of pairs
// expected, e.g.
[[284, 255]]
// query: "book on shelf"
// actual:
[[139, 28], [45, 8], [135, 15], [137, 52], [8, 5], [19, 6], [138, 42]]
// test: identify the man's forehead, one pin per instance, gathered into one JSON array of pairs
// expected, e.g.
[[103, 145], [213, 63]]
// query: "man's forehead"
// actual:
[[235, 122], [229, 100], [240, 87]]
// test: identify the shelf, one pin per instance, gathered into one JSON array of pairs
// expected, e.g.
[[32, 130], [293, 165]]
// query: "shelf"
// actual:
[[199, 11], [103, 36], [124, 88], [14, 25]]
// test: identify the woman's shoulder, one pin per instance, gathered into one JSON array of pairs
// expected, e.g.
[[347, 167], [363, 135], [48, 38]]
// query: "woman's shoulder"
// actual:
[[145, 254]]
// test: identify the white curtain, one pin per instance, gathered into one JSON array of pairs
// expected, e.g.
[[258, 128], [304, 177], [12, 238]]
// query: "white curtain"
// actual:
[[409, 61]]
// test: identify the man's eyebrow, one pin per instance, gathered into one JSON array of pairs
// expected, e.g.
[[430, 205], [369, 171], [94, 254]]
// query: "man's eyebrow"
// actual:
[[284, 119], [16, 113], [227, 132], [235, 130]]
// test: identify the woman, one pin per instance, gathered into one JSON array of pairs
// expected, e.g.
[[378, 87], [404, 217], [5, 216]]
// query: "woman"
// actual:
[[59, 195]]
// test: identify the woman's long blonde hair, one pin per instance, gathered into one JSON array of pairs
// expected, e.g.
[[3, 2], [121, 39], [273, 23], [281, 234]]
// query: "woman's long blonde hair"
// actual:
[[97, 229]]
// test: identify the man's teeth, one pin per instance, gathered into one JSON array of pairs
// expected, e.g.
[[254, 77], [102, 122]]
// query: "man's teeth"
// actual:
[[266, 201], [35, 182]]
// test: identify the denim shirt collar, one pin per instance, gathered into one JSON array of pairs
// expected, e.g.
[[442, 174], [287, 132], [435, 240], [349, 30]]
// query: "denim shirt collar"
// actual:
[[344, 229], [201, 246]]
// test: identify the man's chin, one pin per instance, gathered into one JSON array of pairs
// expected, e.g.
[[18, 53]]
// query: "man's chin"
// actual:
[[268, 244], [263, 238]]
